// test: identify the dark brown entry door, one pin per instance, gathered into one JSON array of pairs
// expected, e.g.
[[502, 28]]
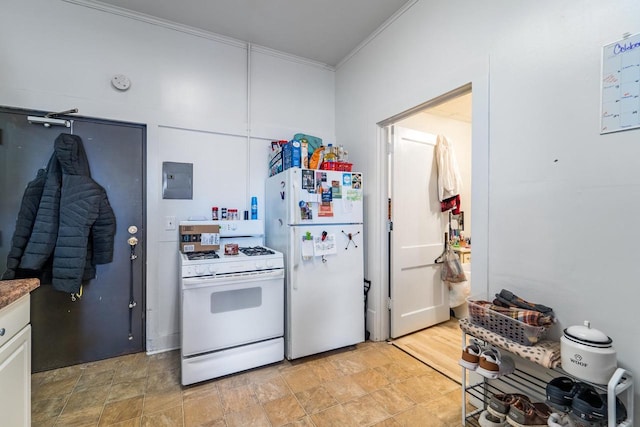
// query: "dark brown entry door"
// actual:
[[99, 324]]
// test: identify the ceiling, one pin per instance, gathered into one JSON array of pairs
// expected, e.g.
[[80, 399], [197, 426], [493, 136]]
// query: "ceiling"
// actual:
[[458, 108], [325, 31]]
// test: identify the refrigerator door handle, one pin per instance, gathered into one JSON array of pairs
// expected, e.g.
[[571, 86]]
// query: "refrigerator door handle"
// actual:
[[296, 254]]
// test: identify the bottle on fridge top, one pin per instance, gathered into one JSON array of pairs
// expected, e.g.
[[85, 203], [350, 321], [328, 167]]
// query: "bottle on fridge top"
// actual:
[[330, 155], [254, 207]]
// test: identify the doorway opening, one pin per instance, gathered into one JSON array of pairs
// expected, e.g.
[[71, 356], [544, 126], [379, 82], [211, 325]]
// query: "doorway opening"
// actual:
[[423, 311]]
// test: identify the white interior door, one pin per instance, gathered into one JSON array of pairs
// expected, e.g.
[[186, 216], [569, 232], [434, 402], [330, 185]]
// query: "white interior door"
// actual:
[[419, 298]]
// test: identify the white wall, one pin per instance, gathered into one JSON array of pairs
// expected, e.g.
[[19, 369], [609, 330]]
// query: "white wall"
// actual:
[[190, 89], [412, 62], [559, 194]]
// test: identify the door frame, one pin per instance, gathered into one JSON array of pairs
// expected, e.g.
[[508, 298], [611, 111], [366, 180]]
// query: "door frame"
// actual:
[[141, 234], [479, 198]]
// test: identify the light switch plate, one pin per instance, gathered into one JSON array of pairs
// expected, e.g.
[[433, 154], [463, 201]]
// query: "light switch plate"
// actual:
[[169, 222]]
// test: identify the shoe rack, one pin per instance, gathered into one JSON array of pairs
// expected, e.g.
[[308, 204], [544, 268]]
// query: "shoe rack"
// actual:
[[620, 386]]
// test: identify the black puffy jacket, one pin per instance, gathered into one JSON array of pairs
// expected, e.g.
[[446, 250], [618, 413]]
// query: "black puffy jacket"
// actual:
[[74, 220], [24, 226]]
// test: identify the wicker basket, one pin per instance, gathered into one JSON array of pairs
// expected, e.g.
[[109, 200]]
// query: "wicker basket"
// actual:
[[505, 326]]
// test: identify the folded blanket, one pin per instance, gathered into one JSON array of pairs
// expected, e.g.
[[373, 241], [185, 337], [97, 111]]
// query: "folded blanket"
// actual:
[[545, 353], [507, 298], [530, 317]]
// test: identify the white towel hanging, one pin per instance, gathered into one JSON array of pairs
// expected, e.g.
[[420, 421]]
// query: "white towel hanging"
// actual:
[[449, 181]]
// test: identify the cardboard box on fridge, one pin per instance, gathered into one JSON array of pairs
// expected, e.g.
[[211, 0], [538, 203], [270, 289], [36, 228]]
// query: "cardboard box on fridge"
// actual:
[[199, 238], [292, 154], [276, 164]]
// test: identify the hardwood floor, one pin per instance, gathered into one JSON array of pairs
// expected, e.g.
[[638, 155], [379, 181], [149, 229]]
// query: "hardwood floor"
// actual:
[[438, 346]]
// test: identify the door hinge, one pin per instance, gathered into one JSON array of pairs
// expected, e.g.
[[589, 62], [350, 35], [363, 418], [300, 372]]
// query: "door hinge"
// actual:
[[389, 304], [389, 226]]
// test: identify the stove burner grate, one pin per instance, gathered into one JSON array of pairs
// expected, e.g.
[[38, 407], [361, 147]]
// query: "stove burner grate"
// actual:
[[202, 255], [256, 250]]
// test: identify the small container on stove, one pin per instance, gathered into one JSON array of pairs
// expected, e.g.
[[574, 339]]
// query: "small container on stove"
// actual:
[[231, 249]]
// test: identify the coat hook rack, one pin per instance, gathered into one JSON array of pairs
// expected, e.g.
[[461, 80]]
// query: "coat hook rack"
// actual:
[[61, 113], [50, 119]]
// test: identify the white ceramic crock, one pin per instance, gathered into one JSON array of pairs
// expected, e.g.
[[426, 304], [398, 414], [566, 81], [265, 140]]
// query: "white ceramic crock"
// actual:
[[588, 354]]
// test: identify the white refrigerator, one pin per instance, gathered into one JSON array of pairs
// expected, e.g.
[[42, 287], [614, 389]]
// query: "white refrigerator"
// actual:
[[314, 218]]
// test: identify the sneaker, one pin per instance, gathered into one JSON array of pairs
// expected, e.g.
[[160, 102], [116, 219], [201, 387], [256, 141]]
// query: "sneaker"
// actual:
[[493, 365], [499, 404], [471, 356], [489, 420], [560, 393], [527, 414], [589, 409], [560, 420]]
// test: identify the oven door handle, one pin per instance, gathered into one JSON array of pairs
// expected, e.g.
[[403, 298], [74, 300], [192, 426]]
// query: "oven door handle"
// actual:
[[219, 280]]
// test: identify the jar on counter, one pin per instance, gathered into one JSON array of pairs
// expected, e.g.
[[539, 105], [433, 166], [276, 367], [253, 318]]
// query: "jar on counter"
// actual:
[[223, 214], [214, 213]]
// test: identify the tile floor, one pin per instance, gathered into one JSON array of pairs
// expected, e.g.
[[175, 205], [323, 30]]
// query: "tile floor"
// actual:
[[371, 384]]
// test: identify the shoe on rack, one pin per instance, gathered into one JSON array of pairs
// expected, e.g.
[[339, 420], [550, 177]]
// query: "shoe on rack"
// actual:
[[560, 393], [527, 414], [499, 404], [589, 409], [493, 365], [560, 420], [487, 419], [471, 355]]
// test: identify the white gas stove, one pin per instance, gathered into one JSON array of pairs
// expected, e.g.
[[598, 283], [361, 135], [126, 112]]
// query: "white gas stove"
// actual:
[[232, 305], [248, 259]]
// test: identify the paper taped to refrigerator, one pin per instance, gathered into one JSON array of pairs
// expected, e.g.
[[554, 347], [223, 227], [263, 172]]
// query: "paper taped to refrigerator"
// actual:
[[326, 246], [307, 249]]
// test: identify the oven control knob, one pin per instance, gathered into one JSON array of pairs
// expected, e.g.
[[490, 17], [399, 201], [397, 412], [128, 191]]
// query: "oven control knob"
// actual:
[[199, 269], [269, 263], [188, 271], [259, 265], [212, 269]]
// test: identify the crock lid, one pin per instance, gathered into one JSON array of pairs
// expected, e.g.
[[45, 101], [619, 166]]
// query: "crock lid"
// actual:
[[588, 335]]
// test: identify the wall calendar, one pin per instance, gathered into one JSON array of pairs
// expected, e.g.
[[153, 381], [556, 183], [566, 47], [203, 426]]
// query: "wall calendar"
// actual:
[[620, 96]]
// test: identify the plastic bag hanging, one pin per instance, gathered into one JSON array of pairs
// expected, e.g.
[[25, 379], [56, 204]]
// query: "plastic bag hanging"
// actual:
[[451, 268]]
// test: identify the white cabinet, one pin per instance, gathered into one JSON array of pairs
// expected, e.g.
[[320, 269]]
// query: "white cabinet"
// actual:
[[15, 364]]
